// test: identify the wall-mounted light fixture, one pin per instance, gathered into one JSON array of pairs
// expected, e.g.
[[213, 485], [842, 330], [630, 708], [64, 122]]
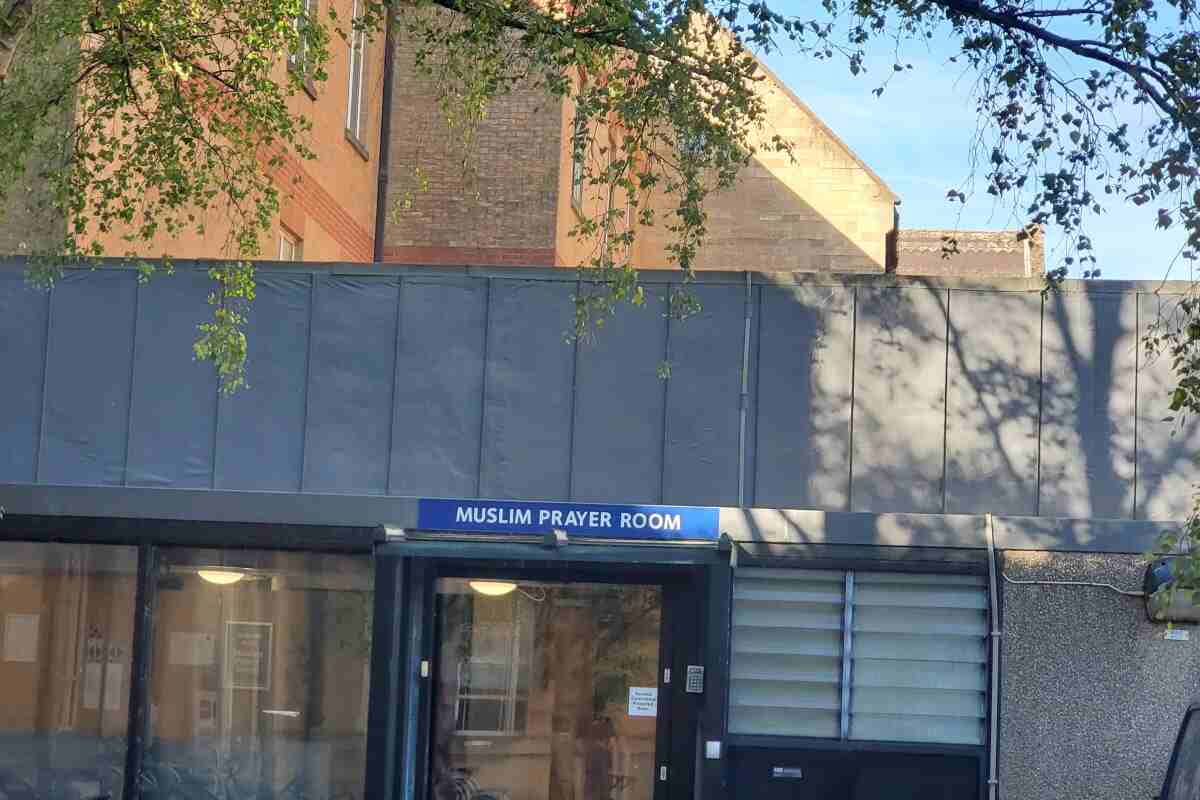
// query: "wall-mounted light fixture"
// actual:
[[492, 588], [1164, 602]]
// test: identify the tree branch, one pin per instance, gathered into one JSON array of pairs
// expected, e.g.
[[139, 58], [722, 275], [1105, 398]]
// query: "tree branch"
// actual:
[[1141, 76], [13, 23]]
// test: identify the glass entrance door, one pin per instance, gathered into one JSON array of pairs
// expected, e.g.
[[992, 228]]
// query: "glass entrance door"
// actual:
[[545, 690]]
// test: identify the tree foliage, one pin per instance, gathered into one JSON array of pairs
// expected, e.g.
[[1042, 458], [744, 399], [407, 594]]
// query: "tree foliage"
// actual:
[[146, 119]]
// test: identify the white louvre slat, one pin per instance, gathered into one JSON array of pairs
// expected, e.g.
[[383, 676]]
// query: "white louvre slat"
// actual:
[[783, 722]]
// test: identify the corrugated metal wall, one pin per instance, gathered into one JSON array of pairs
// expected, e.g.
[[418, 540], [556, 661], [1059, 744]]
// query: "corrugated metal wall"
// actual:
[[868, 397]]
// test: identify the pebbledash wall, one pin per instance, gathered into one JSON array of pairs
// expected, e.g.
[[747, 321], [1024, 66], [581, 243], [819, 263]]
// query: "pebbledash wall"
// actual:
[[883, 414]]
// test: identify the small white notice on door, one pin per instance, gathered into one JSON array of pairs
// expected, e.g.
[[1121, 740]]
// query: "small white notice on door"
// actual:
[[643, 701]]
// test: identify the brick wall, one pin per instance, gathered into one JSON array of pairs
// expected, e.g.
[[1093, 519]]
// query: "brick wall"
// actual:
[[328, 202], [501, 210], [820, 210]]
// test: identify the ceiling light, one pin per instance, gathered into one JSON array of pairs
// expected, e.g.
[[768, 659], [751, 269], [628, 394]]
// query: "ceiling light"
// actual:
[[221, 577], [492, 588]]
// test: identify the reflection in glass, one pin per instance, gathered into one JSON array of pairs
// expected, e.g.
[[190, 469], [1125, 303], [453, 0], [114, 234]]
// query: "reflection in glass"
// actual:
[[1185, 780], [66, 634], [536, 691], [259, 675]]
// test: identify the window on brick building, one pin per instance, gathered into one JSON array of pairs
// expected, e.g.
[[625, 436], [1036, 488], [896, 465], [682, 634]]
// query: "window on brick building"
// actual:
[[355, 87], [291, 246], [578, 143], [297, 60]]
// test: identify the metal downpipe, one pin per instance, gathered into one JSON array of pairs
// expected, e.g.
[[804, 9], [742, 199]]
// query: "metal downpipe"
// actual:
[[744, 401], [385, 134], [994, 694]]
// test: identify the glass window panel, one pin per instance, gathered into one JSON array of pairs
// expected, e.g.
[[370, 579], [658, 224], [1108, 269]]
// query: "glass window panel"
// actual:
[[533, 690], [354, 92], [787, 652], [919, 669], [66, 635], [260, 674]]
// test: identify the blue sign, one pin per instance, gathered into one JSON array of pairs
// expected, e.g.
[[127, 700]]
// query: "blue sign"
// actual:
[[671, 523]]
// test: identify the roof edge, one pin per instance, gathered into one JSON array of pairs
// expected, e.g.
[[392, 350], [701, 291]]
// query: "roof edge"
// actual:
[[791, 95], [663, 275]]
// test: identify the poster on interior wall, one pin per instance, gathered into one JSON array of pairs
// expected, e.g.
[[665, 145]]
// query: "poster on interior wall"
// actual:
[[92, 678], [204, 713], [186, 649], [20, 637], [248, 655]]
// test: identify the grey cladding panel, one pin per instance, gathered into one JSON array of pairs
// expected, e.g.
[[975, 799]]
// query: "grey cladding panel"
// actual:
[[174, 395], [619, 408], [1088, 373], [528, 398], [87, 379], [1166, 452], [899, 400], [260, 429], [701, 459], [439, 387], [993, 401], [22, 358], [350, 385], [804, 370]]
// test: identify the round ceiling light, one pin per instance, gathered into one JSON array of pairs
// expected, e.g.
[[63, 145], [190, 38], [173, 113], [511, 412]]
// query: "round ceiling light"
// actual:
[[221, 577]]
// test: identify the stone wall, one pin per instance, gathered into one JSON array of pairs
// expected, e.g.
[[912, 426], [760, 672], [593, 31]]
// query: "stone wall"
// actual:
[[1091, 692]]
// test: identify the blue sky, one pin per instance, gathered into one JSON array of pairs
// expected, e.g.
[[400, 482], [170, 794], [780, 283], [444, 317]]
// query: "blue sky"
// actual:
[[917, 138]]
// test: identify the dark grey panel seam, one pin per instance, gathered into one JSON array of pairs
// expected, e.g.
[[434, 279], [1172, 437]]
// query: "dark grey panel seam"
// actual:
[[483, 386], [41, 436], [757, 344], [1137, 352], [137, 303], [312, 310], [666, 399], [574, 408], [946, 403], [391, 438], [216, 434], [1037, 487], [853, 385]]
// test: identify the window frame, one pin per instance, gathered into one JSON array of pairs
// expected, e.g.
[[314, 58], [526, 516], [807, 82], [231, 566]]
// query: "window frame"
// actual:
[[297, 60], [289, 239], [149, 535], [508, 699], [578, 157], [822, 561], [356, 69]]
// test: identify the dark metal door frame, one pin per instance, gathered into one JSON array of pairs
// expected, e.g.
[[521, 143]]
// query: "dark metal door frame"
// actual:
[[682, 575]]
